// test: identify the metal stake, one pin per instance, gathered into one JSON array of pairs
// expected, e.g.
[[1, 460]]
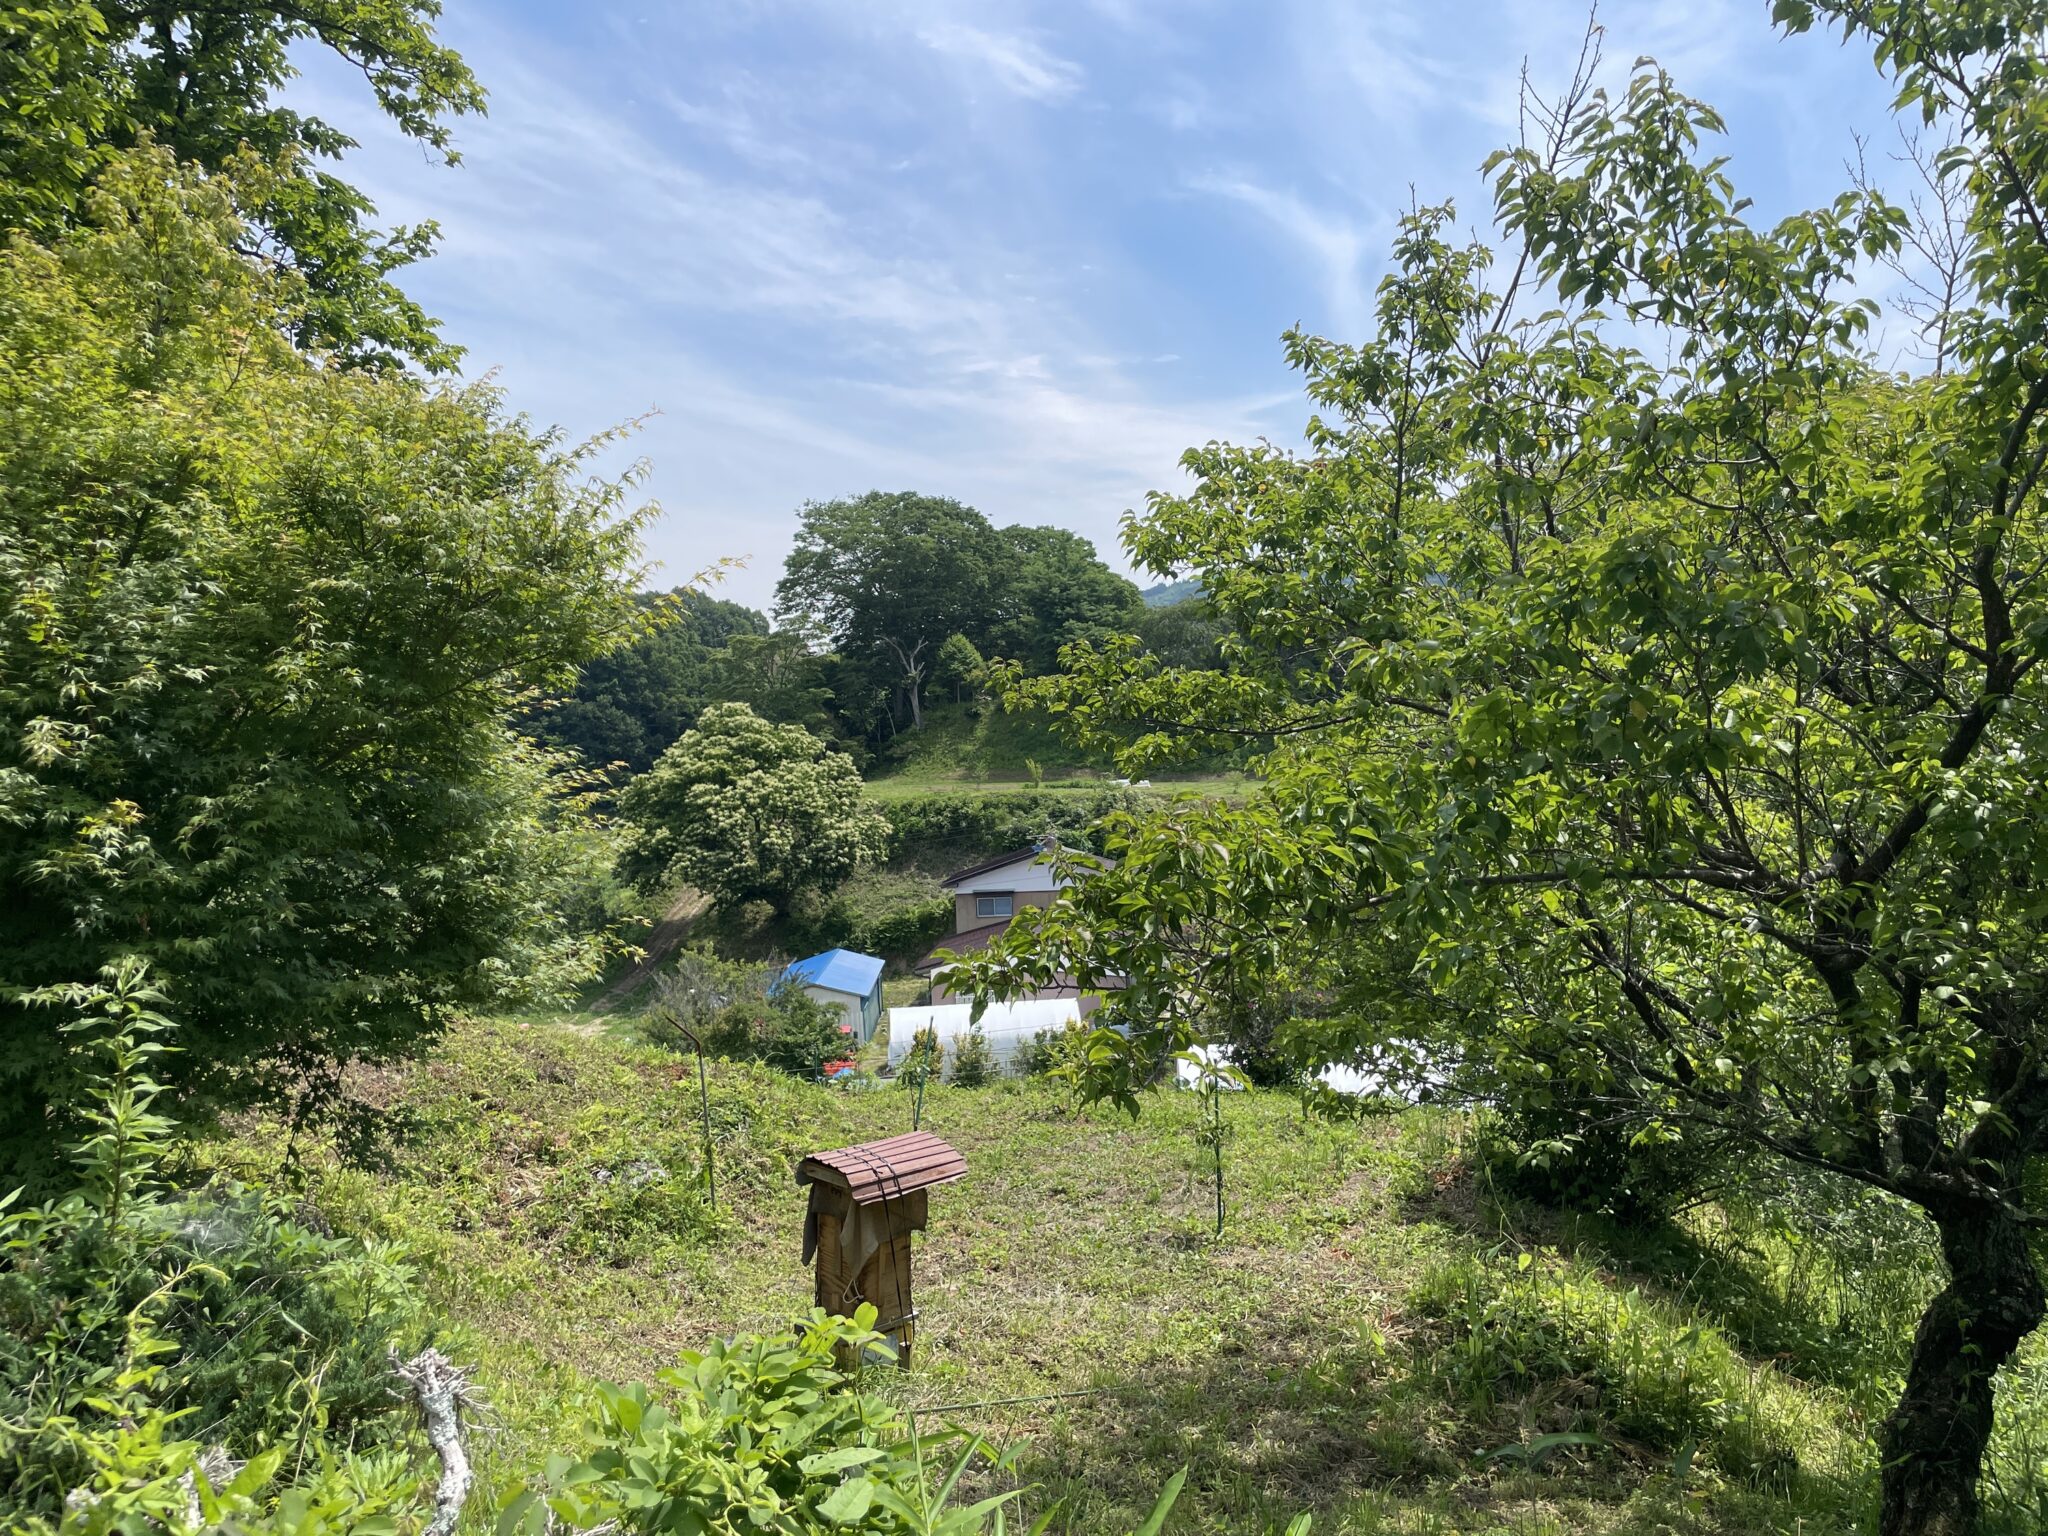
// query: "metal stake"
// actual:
[[704, 1102]]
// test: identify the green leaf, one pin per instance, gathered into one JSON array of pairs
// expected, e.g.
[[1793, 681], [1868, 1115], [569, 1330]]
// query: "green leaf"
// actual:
[[848, 1502], [827, 1462], [1167, 1497]]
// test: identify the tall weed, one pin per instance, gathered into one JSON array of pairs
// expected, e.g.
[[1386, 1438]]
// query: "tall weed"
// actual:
[[169, 1360]]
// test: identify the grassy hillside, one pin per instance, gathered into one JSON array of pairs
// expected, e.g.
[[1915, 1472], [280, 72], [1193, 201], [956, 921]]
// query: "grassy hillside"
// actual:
[[970, 749], [966, 743], [1370, 1338]]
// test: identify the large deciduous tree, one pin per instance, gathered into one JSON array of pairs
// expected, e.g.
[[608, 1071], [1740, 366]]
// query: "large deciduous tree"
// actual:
[[1660, 682], [746, 810], [86, 80], [265, 628], [886, 577], [1055, 590]]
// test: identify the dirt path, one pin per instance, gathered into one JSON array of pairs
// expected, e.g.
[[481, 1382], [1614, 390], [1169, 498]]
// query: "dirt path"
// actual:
[[674, 926]]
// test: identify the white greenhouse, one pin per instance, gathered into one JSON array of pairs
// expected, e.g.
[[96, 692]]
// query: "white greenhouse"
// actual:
[[1009, 1028]]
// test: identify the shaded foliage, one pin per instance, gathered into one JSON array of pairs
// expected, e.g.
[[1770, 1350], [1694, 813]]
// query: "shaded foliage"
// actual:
[[127, 1308], [1054, 590], [629, 706]]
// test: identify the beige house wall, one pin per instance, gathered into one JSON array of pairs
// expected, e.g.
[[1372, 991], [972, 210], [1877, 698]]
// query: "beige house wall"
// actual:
[[963, 906]]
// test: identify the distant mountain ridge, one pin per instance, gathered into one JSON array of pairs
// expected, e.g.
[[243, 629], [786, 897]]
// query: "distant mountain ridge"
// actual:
[[1167, 593]]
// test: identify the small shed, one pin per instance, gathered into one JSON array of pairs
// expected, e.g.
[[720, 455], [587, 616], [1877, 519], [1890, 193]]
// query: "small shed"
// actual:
[[846, 980], [865, 1202]]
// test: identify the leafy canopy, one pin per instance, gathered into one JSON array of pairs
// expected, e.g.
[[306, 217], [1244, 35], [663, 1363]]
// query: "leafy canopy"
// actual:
[[1055, 590], [87, 80], [629, 706], [884, 578], [749, 811], [266, 626], [1659, 681], [887, 579]]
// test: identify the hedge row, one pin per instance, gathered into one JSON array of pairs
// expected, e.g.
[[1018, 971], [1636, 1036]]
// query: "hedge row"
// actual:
[[935, 826]]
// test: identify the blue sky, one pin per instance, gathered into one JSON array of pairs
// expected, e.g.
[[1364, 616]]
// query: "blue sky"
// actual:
[[1020, 254]]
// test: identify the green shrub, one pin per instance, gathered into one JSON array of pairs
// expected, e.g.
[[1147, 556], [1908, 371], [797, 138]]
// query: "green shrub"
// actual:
[[769, 1434], [1037, 1056], [141, 1327], [764, 1433], [926, 1058], [974, 1063], [896, 914], [1656, 1379], [744, 1012], [1566, 1155], [908, 932], [936, 827]]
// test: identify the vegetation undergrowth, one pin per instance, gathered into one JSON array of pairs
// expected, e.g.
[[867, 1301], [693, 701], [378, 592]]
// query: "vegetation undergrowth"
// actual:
[[177, 1359], [1374, 1339]]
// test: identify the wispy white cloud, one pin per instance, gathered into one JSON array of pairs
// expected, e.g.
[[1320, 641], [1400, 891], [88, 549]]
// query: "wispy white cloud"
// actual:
[[1384, 55], [845, 246], [1336, 246], [803, 328], [1016, 62]]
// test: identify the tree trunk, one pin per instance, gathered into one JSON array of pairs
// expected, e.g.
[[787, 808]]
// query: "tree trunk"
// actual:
[[916, 704], [1934, 1440]]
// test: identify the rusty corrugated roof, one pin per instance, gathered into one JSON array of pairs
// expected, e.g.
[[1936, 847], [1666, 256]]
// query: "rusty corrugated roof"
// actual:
[[883, 1170], [966, 942]]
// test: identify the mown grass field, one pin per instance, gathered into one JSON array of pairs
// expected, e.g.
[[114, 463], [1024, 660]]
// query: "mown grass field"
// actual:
[[983, 750], [1370, 1339], [905, 786]]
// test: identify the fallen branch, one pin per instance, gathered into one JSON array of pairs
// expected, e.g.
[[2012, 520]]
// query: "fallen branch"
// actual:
[[218, 1468], [442, 1389]]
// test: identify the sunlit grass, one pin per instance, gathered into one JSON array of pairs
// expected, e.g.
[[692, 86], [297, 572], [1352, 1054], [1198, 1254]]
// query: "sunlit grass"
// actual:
[[1370, 1339]]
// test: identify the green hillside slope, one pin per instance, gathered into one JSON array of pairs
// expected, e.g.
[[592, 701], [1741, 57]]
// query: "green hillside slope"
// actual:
[[1370, 1339]]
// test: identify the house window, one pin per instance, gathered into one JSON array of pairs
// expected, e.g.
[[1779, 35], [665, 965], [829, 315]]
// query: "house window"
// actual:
[[1004, 905]]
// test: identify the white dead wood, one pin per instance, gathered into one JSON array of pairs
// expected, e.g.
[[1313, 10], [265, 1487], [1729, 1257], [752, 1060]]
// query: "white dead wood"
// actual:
[[442, 1390], [218, 1468]]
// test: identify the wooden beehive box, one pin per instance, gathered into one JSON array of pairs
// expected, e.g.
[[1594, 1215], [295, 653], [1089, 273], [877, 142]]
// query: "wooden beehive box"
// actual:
[[865, 1203]]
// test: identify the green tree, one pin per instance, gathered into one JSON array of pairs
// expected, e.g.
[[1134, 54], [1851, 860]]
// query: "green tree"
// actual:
[[1053, 590], [1184, 634], [264, 631], [1662, 688], [628, 706], [749, 811], [959, 667], [780, 678], [86, 80], [884, 578]]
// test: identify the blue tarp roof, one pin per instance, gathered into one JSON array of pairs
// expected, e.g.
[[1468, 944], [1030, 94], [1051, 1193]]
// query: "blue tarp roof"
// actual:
[[843, 970]]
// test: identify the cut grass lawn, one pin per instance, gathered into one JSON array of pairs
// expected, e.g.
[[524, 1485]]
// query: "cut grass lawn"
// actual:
[[1227, 785], [978, 749], [1366, 1341]]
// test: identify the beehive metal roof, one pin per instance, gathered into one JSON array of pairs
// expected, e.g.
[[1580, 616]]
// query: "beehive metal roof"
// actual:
[[883, 1170]]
